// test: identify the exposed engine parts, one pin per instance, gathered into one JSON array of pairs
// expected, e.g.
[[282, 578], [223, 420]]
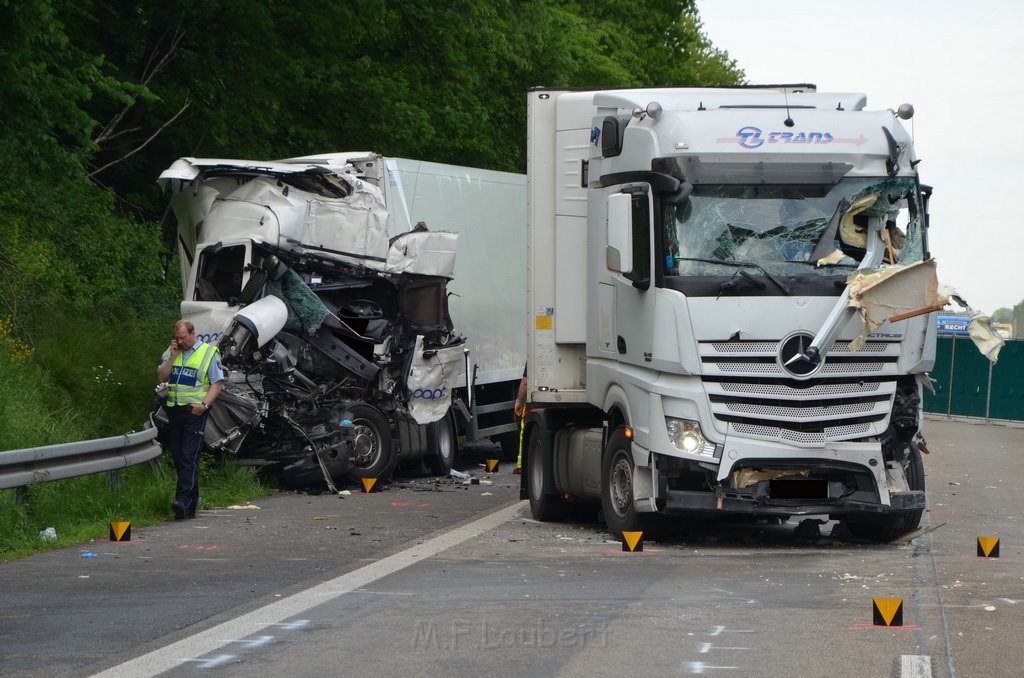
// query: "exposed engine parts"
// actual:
[[315, 367]]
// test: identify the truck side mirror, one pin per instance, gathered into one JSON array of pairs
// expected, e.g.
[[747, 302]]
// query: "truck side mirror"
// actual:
[[681, 194], [629, 243], [619, 253]]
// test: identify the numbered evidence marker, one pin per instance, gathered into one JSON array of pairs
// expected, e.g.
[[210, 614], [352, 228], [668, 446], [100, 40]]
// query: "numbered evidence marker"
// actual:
[[633, 542], [492, 465], [988, 547], [120, 531], [368, 484], [888, 611]]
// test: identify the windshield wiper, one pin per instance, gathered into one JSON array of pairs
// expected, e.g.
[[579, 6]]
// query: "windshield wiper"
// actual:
[[815, 264], [741, 265]]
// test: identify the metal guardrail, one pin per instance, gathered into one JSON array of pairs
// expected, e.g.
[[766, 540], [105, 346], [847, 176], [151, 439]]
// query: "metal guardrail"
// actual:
[[70, 460]]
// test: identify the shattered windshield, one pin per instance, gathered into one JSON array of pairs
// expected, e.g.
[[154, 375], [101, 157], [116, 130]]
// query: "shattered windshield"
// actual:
[[790, 229]]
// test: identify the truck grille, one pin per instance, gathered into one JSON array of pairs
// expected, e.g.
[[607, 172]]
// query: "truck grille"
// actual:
[[850, 396]]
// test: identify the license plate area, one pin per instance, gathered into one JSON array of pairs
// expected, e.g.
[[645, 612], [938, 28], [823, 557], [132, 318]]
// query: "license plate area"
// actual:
[[783, 488]]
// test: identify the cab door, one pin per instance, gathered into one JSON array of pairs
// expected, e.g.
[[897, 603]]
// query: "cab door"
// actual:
[[629, 258]]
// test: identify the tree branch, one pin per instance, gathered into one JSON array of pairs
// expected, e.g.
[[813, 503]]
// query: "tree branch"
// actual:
[[151, 70], [145, 143]]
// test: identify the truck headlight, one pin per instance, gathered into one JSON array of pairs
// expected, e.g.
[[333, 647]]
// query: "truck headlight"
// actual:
[[686, 436]]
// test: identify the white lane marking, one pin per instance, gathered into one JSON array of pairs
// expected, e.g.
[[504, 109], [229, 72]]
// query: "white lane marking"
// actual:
[[704, 648], [204, 642], [719, 630], [252, 642], [915, 666], [212, 662], [701, 667]]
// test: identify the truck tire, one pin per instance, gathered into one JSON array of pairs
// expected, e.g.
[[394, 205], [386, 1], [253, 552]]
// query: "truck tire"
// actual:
[[617, 487], [374, 455], [915, 481], [442, 445], [885, 528], [546, 504]]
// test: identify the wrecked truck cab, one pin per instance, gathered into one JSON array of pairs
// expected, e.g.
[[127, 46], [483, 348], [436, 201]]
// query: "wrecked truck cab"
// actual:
[[339, 349]]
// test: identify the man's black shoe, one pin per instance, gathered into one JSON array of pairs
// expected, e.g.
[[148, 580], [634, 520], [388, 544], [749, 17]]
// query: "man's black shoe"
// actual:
[[179, 510]]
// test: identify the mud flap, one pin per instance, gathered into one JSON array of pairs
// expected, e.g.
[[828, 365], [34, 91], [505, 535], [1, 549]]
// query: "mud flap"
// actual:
[[433, 374], [643, 489]]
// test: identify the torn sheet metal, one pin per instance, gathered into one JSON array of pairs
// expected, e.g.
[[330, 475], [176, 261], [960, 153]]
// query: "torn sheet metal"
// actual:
[[980, 330], [353, 228], [423, 252], [889, 294], [433, 375], [984, 337]]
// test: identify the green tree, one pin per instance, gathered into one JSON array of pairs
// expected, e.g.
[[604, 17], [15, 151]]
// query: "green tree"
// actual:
[[443, 81], [1002, 315]]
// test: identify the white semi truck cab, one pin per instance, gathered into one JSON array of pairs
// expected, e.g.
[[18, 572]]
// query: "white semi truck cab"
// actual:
[[731, 306]]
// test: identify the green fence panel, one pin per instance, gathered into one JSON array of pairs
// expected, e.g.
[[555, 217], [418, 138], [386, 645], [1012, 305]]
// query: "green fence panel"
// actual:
[[962, 381], [970, 380], [1008, 383], [942, 373]]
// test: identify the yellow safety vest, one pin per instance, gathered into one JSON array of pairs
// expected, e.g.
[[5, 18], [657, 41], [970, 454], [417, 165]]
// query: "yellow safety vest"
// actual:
[[189, 382]]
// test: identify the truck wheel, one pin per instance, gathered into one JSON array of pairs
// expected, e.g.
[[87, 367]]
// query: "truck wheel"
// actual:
[[617, 487], [914, 469], [888, 527], [545, 503], [373, 455], [442, 445]]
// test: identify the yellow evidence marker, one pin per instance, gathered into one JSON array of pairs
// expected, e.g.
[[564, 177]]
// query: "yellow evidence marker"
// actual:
[[368, 484], [988, 547], [888, 611], [633, 542], [120, 531]]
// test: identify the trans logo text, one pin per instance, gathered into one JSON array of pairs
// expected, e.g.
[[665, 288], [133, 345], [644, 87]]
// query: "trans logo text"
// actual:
[[753, 137], [428, 394]]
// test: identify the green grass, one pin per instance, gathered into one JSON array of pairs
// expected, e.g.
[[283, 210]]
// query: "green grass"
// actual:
[[80, 509], [28, 407], [106, 372]]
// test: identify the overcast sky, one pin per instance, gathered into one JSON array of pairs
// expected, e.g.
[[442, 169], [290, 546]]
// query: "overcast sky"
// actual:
[[961, 64]]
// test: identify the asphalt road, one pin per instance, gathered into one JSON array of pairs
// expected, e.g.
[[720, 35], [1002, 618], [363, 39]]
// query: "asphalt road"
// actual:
[[426, 587], [70, 611]]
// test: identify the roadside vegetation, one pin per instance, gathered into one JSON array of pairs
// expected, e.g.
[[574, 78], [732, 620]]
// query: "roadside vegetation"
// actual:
[[81, 380], [81, 509], [100, 97]]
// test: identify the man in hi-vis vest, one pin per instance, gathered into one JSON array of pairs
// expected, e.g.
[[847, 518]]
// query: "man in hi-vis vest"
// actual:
[[194, 379]]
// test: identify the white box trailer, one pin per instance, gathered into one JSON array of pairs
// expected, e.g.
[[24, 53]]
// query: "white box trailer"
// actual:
[[364, 362], [488, 292]]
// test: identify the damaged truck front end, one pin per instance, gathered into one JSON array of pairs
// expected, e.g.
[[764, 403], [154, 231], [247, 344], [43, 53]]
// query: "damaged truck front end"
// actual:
[[823, 418], [339, 351]]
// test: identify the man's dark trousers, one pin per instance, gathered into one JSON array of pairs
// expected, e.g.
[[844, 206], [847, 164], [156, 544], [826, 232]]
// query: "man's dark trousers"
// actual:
[[185, 441]]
